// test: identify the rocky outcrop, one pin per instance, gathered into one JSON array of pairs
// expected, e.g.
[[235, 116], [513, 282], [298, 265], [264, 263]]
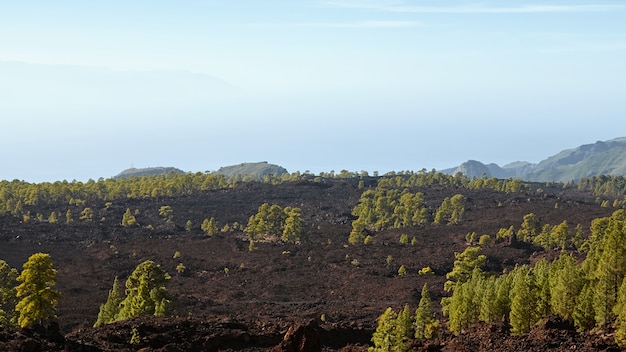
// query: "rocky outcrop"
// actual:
[[301, 338]]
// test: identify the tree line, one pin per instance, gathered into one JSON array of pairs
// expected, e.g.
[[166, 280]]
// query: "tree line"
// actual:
[[385, 208], [16, 196]]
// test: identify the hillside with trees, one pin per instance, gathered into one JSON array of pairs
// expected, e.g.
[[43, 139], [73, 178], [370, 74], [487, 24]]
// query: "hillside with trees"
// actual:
[[403, 261], [600, 158], [255, 171], [147, 171]]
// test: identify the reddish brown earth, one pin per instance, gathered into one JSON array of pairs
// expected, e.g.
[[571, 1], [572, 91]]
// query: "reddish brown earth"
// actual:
[[278, 287]]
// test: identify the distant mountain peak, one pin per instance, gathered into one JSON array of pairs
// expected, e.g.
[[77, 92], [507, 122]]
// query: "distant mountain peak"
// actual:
[[147, 171], [257, 169]]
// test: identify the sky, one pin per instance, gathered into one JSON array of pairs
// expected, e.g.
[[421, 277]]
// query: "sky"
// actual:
[[88, 89]]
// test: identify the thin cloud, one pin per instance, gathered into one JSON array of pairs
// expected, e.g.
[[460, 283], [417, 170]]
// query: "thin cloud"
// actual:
[[354, 24], [370, 24], [394, 6]]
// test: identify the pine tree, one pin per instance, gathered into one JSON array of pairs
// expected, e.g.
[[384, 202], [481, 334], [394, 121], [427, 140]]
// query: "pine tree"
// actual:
[[560, 234], [464, 265], [463, 308], [86, 215], [210, 226], [522, 316], [8, 299], [577, 241], [444, 212], [503, 285], [544, 237], [584, 314], [146, 292], [292, 230], [488, 309], [52, 218], [620, 311], [542, 293], [357, 235], [275, 220], [529, 228], [404, 324], [387, 337], [610, 256], [566, 284], [425, 322], [456, 308], [111, 308], [457, 203], [128, 219], [165, 212], [38, 300]]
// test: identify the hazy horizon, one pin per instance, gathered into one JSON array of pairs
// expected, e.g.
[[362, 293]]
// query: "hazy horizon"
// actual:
[[89, 89]]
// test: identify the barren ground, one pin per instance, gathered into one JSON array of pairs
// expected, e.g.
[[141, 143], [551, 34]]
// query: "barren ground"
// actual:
[[230, 298]]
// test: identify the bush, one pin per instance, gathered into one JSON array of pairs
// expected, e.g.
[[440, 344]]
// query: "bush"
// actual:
[[484, 240], [402, 271], [426, 271]]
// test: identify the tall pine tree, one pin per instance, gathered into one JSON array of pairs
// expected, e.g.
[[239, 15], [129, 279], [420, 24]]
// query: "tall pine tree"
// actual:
[[523, 313], [425, 322], [111, 308]]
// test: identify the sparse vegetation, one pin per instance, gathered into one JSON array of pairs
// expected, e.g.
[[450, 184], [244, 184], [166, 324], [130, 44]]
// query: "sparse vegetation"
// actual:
[[583, 285]]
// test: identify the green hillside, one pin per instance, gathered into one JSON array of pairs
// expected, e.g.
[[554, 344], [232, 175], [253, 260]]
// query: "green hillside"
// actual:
[[602, 157], [256, 170], [147, 171]]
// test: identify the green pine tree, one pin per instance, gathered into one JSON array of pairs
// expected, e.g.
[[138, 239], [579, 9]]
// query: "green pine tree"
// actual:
[[210, 226], [38, 300], [488, 309], [8, 299], [111, 308], [584, 314], [426, 324], [566, 283], [503, 285], [404, 324], [620, 311], [529, 228], [146, 292], [387, 337], [523, 314], [464, 265], [292, 229], [128, 219], [542, 292]]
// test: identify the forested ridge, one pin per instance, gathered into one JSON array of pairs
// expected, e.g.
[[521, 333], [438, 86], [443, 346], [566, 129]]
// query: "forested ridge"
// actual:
[[576, 271]]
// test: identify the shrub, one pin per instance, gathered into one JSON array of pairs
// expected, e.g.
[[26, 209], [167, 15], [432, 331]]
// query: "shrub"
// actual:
[[402, 271]]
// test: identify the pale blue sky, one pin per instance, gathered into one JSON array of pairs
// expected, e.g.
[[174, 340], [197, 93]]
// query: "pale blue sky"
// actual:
[[89, 88]]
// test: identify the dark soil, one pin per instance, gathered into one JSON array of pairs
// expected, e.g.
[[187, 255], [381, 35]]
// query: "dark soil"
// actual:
[[230, 298]]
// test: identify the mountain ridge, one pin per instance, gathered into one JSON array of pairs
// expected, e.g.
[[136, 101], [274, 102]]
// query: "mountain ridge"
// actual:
[[601, 157], [257, 170]]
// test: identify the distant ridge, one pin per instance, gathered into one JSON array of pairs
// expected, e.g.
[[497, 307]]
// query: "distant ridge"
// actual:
[[606, 158], [257, 170], [148, 171]]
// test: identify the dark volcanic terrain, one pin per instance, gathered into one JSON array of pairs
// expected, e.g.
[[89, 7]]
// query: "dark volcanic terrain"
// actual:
[[230, 298]]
